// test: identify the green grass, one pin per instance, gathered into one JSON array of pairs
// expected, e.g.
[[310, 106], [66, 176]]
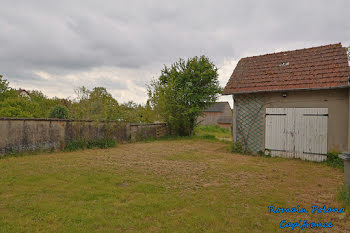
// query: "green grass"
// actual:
[[189, 185], [82, 144], [333, 160], [344, 197], [213, 130]]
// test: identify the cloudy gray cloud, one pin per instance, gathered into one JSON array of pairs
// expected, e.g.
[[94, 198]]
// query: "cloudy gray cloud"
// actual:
[[57, 46]]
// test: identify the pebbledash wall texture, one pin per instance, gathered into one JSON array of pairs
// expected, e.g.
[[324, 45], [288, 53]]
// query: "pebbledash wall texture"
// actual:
[[22, 134]]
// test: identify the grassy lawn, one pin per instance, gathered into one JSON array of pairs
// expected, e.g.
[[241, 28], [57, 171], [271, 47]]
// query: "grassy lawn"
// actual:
[[217, 131], [162, 186]]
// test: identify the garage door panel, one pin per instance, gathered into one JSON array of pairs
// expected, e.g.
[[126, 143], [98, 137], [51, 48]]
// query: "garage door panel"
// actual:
[[297, 132], [290, 132], [315, 125], [275, 139]]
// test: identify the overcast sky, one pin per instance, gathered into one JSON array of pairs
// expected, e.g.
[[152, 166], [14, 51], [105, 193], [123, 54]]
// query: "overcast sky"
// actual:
[[57, 46]]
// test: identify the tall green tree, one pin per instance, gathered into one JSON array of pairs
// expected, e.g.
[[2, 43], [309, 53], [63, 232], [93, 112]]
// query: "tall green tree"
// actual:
[[95, 104], [19, 107], [137, 113], [45, 104], [183, 91], [5, 90], [4, 85]]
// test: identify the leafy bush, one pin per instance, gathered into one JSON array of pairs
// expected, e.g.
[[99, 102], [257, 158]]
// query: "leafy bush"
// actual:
[[19, 107], [78, 144], [59, 112], [334, 161], [102, 143], [183, 91], [266, 153], [96, 104], [81, 144], [237, 147], [5, 90]]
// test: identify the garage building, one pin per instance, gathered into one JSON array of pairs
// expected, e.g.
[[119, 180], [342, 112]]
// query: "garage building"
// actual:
[[293, 104]]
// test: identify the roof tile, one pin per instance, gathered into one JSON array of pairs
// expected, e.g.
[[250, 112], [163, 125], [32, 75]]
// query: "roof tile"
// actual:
[[312, 68]]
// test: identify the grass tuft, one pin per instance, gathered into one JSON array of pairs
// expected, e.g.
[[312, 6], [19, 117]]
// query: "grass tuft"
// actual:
[[82, 144], [333, 160], [215, 130], [344, 197]]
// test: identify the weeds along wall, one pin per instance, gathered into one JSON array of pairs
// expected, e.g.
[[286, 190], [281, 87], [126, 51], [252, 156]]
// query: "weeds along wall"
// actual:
[[23, 134]]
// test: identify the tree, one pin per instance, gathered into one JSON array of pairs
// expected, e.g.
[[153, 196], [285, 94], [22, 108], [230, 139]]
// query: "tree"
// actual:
[[5, 90], [59, 111], [45, 104], [19, 107], [148, 115], [4, 85], [183, 91], [95, 104], [102, 105]]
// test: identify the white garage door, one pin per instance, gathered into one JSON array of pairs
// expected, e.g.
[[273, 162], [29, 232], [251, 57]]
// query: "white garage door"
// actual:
[[297, 132]]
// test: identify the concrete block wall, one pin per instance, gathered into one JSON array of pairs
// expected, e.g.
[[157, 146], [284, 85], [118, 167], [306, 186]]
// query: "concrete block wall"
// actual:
[[21, 134]]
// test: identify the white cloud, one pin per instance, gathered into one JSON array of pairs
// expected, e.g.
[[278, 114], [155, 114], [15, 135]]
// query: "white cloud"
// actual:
[[123, 83], [225, 71], [58, 46]]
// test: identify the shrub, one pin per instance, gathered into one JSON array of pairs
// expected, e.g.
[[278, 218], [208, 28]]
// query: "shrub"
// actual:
[[19, 107], [237, 147], [78, 144], [266, 153], [81, 144], [334, 161], [59, 112], [102, 143]]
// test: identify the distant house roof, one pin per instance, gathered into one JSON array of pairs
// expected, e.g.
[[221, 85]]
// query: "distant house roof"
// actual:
[[23, 92], [313, 68], [217, 107]]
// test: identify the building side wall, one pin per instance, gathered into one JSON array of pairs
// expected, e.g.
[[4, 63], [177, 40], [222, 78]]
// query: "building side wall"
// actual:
[[251, 110], [225, 125], [209, 118], [227, 111]]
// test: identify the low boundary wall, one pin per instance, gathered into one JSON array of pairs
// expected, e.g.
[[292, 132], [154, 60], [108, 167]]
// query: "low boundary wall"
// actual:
[[21, 134]]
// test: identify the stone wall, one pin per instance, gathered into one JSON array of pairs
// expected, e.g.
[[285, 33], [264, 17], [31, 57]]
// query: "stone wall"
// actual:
[[21, 134]]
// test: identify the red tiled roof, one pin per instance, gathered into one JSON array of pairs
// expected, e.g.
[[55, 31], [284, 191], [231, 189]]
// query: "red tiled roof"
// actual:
[[313, 68]]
